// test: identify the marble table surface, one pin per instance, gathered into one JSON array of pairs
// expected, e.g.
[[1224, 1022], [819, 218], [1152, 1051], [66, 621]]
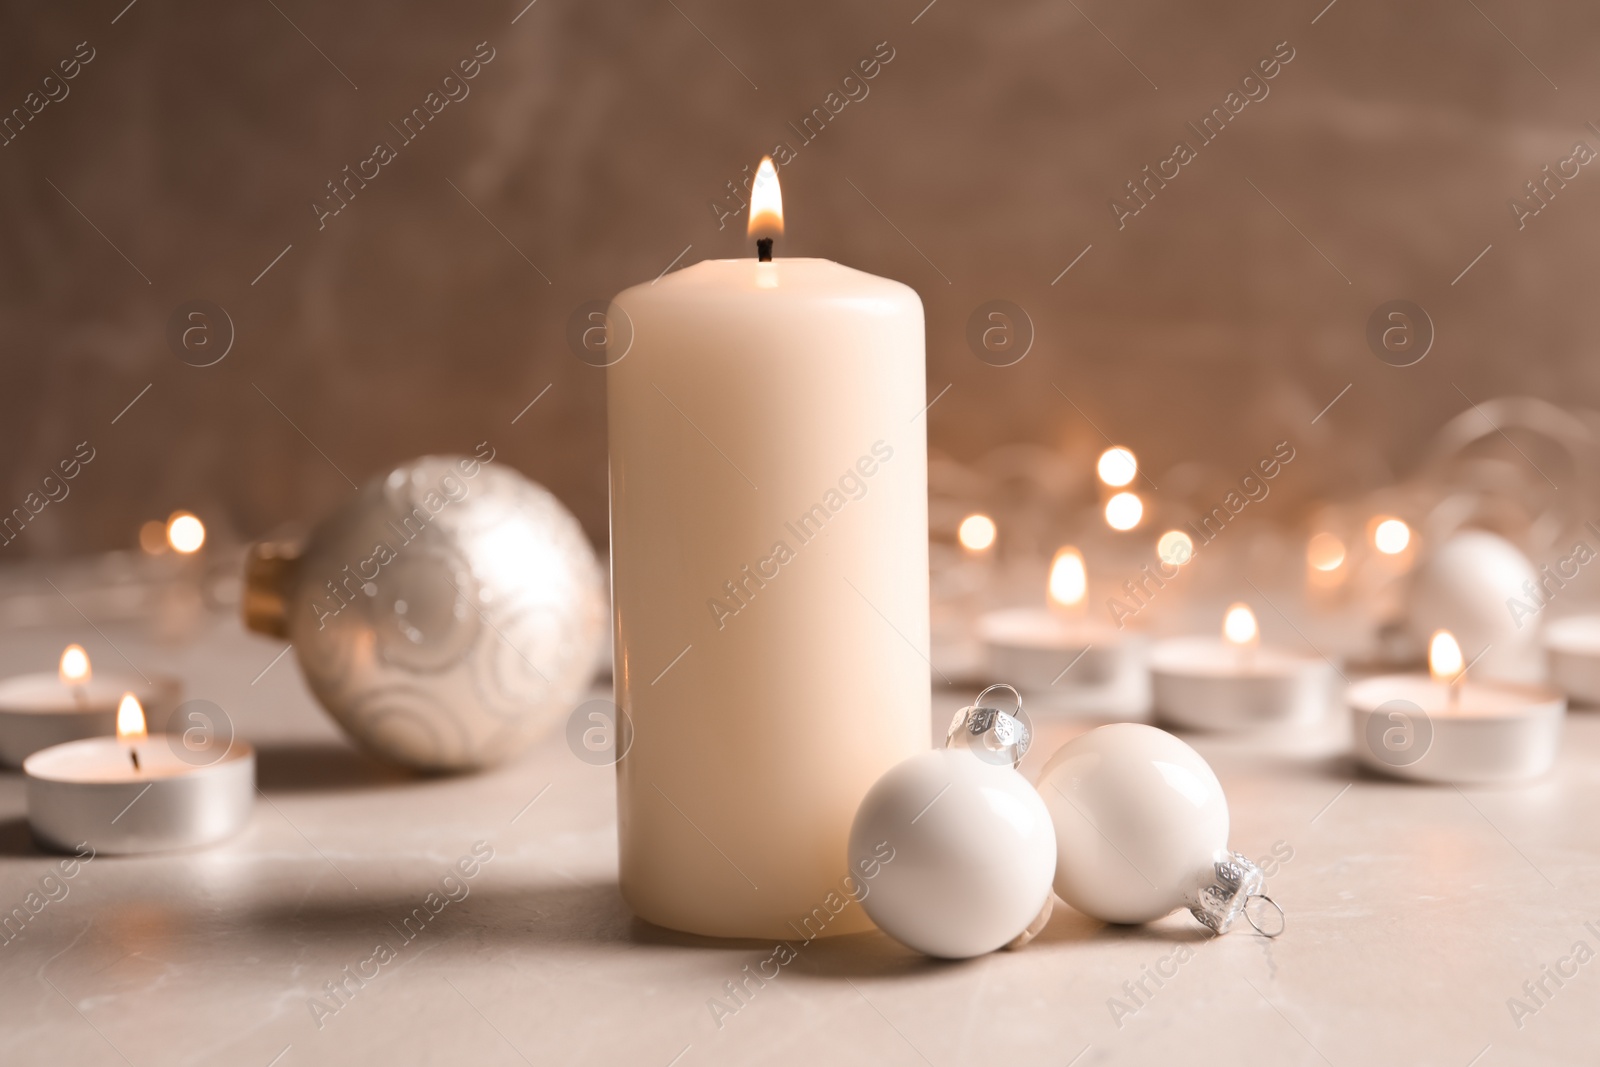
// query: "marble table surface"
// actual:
[[1415, 916]]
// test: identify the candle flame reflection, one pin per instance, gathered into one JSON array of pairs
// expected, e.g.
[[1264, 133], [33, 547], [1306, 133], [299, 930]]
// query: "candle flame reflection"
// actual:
[[74, 668], [1391, 536], [130, 719], [1117, 466], [1325, 552], [976, 533], [1069, 579], [1239, 625], [1175, 548], [1124, 511], [153, 537], [766, 202], [185, 532], [1445, 662]]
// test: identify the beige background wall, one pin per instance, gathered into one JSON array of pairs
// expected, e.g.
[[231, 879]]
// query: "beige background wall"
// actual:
[[979, 164]]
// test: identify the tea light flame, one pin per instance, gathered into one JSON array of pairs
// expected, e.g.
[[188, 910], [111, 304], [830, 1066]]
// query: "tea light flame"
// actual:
[[130, 719], [1391, 536], [766, 202], [1124, 511], [1117, 466], [1239, 625], [74, 668], [185, 532], [1069, 579], [977, 532], [1445, 662]]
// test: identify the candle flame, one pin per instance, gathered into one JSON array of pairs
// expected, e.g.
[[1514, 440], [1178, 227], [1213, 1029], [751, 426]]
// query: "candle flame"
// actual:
[[1069, 579], [1239, 625], [1444, 657], [766, 202], [185, 532], [976, 533], [130, 719], [74, 665]]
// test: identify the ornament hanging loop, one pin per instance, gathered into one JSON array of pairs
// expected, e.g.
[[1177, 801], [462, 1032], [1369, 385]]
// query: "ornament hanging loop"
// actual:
[[992, 735], [1283, 920], [1016, 697]]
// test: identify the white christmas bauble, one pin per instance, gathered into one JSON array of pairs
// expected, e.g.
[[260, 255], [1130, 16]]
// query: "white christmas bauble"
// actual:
[[970, 853], [1140, 822], [1466, 586], [446, 615]]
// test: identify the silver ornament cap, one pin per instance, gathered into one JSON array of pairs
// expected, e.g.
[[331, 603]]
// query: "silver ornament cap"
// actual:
[[1236, 882], [993, 735]]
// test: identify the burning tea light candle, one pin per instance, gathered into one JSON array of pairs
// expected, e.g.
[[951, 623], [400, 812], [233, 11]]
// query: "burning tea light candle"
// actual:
[[40, 710], [1441, 727], [1236, 683], [1058, 651], [138, 791]]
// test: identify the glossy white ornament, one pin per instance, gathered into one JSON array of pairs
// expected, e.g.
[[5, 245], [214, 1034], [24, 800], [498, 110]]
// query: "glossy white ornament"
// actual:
[[972, 848], [1140, 822], [1464, 586]]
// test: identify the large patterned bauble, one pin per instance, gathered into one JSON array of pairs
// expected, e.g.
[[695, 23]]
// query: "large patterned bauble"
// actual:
[[445, 617]]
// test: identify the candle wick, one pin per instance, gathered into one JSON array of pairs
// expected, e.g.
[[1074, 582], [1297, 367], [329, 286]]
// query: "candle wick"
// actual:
[[133, 754], [764, 249]]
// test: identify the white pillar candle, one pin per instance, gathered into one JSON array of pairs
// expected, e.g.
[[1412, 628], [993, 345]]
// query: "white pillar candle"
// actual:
[[769, 548]]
